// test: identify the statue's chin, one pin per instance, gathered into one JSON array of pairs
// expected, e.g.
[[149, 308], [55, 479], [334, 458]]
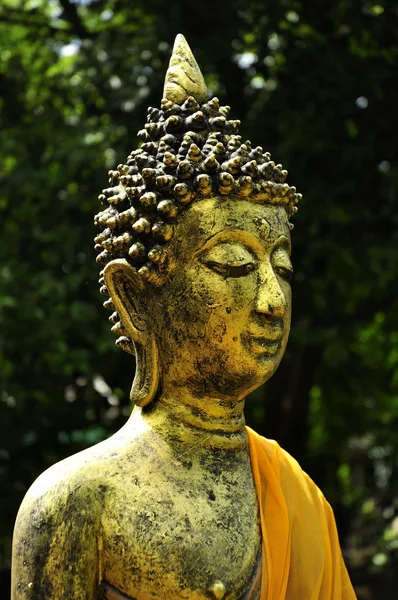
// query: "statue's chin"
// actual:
[[232, 384], [218, 372]]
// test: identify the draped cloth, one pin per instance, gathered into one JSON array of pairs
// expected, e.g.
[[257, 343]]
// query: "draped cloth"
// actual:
[[301, 551]]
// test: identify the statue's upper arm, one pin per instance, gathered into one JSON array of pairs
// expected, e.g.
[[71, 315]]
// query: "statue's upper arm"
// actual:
[[55, 546]]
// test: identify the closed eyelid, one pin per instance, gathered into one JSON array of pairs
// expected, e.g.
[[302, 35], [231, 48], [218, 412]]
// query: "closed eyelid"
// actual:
[[228, 270]]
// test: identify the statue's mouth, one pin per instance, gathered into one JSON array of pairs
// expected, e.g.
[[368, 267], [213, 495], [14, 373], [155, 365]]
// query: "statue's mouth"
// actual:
[[264, 345]]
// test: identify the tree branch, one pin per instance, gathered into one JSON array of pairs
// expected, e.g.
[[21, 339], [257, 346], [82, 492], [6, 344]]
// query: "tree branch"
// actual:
[[71, 15]]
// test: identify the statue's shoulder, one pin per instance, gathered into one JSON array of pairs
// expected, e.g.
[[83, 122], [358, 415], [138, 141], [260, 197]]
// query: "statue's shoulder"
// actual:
[[77, 482]]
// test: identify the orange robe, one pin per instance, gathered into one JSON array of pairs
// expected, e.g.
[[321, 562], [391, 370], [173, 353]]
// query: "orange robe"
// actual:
[[301, 551]]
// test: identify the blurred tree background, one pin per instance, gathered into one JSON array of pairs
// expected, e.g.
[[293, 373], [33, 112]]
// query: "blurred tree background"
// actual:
[[314, 82]]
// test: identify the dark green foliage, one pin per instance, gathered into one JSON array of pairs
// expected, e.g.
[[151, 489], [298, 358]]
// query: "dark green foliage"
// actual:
[[315, 84]]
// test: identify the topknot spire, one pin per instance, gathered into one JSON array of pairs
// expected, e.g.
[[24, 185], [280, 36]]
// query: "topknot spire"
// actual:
[[183, 77]]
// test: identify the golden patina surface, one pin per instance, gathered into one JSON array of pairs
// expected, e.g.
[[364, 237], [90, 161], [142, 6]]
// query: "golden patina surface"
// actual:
[[167, 508]]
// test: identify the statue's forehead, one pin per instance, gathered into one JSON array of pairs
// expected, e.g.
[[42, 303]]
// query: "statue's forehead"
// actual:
[[209, 217]]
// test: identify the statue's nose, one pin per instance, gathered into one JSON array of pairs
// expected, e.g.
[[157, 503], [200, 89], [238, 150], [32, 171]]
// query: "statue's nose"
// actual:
[[270, 299]]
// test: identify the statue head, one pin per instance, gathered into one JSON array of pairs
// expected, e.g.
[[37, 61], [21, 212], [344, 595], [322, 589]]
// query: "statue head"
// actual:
[[195, 239]]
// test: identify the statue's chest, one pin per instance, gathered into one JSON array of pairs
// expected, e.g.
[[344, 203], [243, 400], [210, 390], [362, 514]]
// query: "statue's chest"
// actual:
[[189, 539]]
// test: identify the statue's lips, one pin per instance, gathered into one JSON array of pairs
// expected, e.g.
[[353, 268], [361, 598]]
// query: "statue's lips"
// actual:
[[264, 345]]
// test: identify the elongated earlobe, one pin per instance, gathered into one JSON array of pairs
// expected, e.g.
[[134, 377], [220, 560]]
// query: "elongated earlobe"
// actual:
[[127, 291], [146, 378]]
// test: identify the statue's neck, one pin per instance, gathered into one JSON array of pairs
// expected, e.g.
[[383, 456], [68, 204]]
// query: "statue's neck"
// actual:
[[206, 422]]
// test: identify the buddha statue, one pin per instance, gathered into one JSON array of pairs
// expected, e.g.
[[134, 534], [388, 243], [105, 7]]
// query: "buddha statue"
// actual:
[[185, 501]]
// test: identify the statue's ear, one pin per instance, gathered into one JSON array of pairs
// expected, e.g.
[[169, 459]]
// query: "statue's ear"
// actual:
[[127, 291]]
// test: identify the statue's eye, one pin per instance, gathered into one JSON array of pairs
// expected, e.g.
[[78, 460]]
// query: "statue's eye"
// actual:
[[230, 270], [284, 273]]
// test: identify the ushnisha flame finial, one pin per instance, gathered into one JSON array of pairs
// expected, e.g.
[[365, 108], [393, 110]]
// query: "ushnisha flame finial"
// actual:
[[183, 77]]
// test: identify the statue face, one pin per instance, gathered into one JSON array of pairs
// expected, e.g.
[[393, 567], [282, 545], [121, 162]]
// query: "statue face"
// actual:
[[223, 317]]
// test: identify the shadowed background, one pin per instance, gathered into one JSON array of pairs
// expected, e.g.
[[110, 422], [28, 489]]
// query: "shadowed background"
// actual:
[[315, 83]]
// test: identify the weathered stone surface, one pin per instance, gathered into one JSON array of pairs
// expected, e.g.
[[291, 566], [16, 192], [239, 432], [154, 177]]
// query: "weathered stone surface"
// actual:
[[195, 238]]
